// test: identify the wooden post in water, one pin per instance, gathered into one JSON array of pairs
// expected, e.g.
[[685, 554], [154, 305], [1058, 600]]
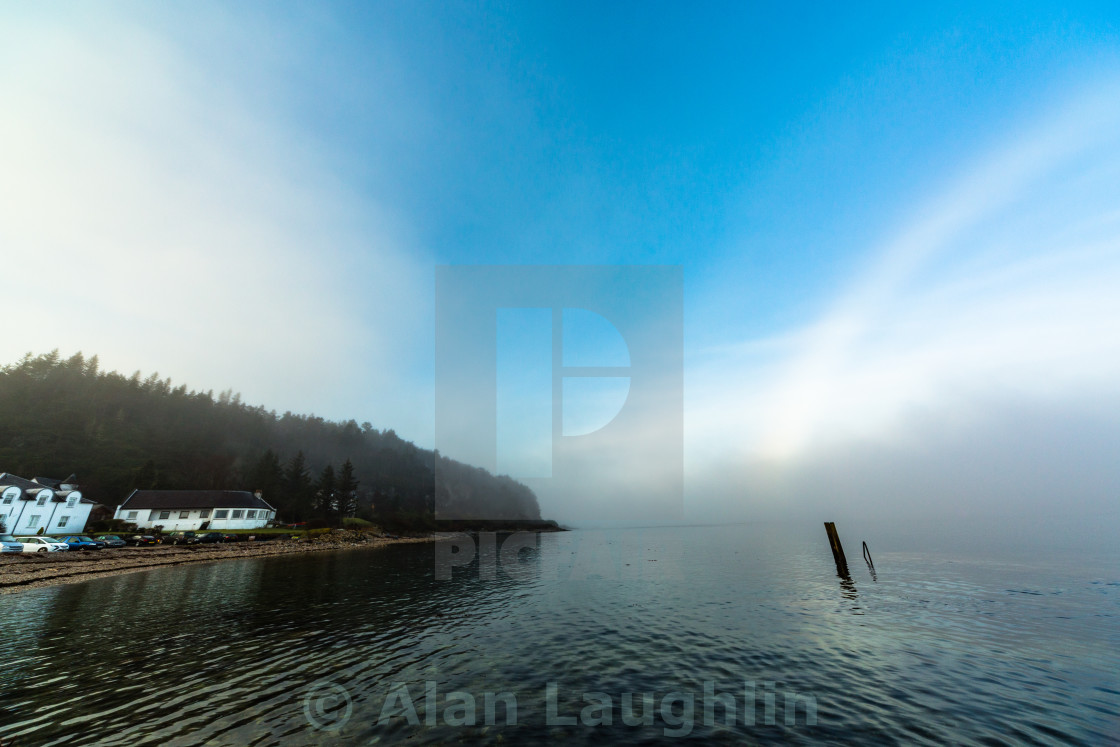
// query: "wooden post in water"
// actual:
[[837, 548]]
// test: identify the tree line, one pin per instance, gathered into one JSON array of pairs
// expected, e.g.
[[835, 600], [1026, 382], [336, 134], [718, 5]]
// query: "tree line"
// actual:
[[118, 433]]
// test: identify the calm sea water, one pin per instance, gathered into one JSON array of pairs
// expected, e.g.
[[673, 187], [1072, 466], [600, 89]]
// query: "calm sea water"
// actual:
[[629, 630]]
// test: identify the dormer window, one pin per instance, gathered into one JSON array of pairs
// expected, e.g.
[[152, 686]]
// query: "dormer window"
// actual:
[[71, 502], [42, 501]]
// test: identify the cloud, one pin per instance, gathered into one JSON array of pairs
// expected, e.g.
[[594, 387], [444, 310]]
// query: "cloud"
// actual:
[[156, 209], [1001, 289]]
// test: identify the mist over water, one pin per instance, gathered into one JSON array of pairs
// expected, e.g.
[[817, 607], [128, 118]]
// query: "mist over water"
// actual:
[[934, 647]]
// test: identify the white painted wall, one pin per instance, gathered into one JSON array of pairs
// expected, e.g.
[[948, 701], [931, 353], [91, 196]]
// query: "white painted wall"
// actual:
[[194, 518], [28, 517], [10, 505], [68, 516]]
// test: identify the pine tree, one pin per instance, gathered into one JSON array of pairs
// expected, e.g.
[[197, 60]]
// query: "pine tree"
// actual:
[[146, 477], [326, 490], [297, 489], [268, 476], [346, 491]]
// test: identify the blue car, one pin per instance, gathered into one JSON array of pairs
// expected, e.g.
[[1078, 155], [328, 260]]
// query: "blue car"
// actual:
[[8, 543], [81, 542]]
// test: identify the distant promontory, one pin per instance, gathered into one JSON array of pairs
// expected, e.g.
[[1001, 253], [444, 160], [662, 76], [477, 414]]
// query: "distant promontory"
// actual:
[[118, 433]]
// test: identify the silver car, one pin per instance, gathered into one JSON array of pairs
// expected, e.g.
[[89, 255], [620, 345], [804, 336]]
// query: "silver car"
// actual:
[[42, 544]]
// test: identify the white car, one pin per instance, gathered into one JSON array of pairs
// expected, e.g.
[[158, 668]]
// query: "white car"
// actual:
[[42, 544]]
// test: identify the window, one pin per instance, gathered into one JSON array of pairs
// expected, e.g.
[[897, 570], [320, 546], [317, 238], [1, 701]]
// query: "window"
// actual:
[[164, 515], [33, 521], [8, 500], [237, 514], [132, 516], [62, 521], [184, 514], [42, 501], [221, 513], [204, 513], [250, 514], [70, 502]]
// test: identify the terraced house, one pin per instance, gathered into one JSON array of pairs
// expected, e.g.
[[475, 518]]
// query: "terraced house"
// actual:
[[42, 504], [181, 510]]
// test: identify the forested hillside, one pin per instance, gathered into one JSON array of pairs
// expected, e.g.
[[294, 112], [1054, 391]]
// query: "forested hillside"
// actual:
[[64, 415]]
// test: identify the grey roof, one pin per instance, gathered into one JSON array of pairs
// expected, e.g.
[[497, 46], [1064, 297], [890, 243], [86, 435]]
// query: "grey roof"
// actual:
[[62, 488], [7, 478], [32, 487], [54, 484], [169, 499]]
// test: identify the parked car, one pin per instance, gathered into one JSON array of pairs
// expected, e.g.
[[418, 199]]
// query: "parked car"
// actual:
[[8, 543], [81, 542], [111, 540], [210, 537], [232, 537], [182, 538], [42, 544], [142, 539]]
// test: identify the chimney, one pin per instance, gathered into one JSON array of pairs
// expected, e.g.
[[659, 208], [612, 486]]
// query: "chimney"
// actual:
[[257, 494]]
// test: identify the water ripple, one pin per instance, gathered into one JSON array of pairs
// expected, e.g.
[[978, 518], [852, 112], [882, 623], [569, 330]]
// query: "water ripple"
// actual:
[[926, 653]]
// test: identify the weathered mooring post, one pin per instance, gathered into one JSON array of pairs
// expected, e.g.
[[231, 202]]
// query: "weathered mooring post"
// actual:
[[837, 548]]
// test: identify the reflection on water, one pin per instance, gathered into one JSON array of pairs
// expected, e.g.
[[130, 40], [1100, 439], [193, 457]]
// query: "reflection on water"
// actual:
[[848, 588], [264, 651]]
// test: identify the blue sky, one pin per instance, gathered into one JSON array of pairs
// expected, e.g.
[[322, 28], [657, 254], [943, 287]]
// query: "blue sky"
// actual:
[[897, 223]]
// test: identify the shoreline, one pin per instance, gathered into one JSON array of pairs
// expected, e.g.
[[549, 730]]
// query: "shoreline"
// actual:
[[19, 572]]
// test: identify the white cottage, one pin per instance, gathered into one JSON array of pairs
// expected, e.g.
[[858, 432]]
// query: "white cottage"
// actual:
[[195, 510], [53, 506]]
